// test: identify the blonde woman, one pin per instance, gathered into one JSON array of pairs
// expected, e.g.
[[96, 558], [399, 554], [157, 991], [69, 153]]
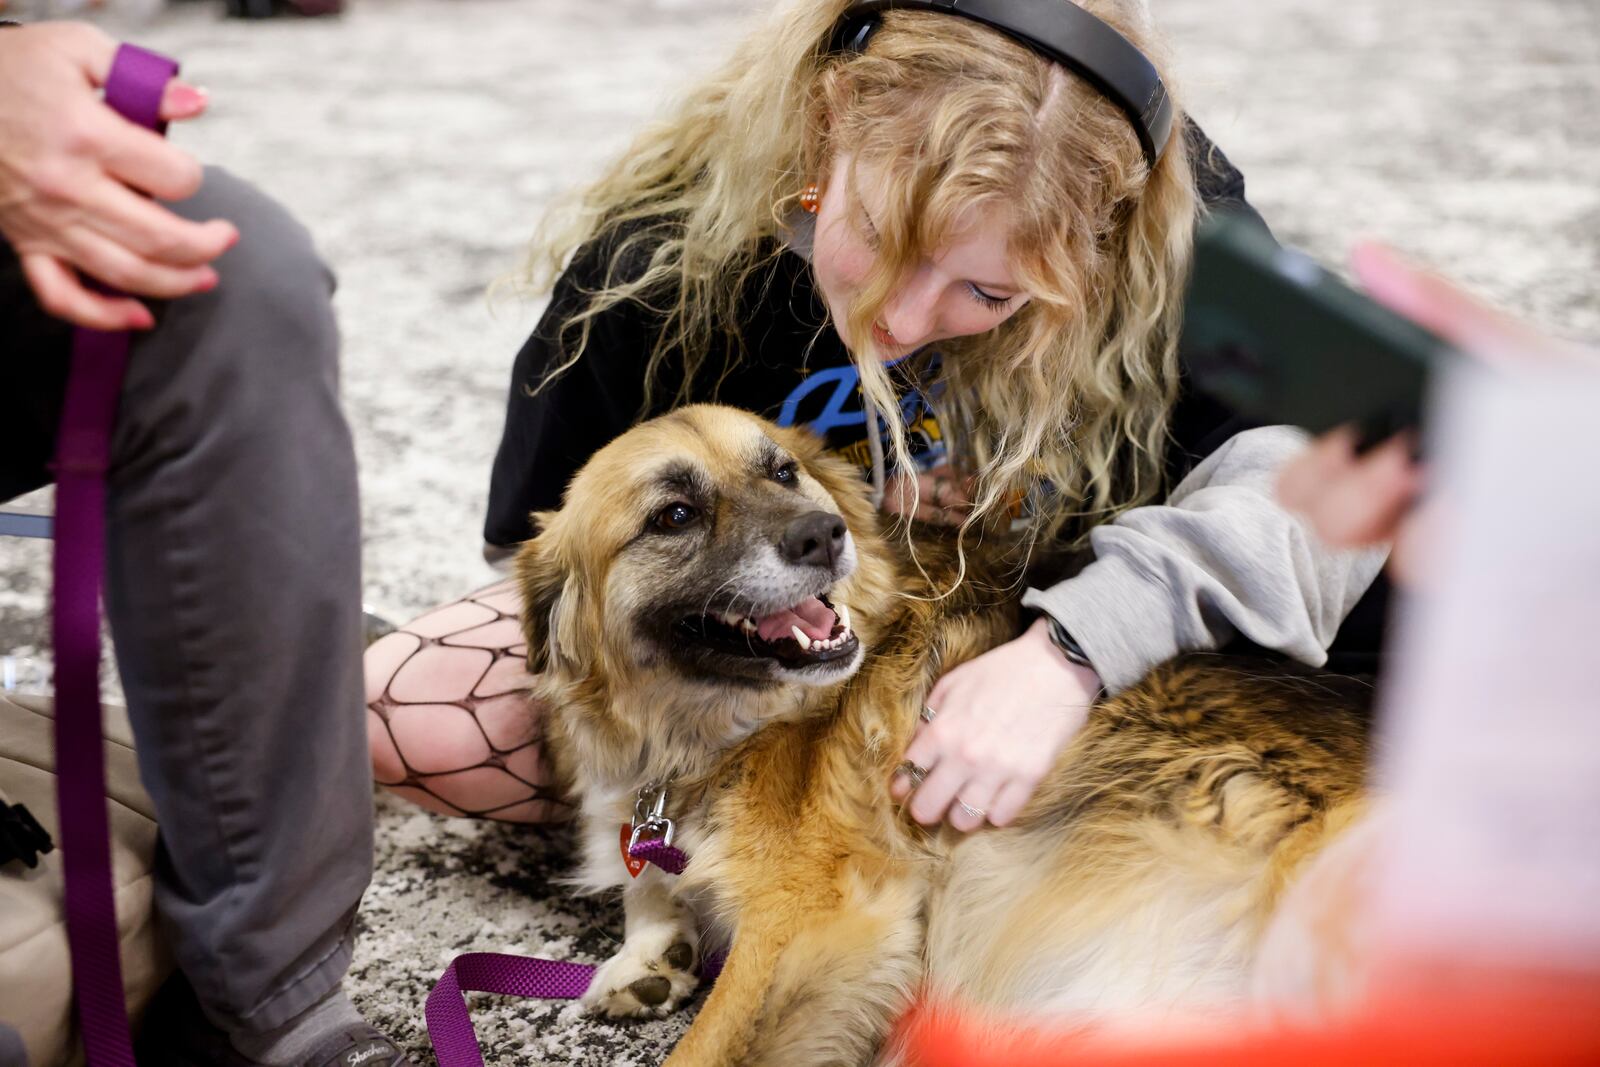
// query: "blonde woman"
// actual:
[[961, 262]]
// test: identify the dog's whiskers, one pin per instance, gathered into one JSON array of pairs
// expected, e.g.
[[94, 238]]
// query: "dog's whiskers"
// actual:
[[747, 633], [705, 609]]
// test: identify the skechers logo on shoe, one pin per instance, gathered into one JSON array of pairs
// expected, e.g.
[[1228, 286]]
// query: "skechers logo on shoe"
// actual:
[[362, 1055]]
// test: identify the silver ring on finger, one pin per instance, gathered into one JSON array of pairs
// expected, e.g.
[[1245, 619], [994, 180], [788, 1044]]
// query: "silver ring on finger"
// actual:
[[926, 714], [912, 771]]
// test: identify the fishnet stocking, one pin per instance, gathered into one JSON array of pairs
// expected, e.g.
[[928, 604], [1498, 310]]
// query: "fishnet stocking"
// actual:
[[449, 721]]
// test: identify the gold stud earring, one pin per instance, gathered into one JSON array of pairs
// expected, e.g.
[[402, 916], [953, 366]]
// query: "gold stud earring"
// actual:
[[810, 198]]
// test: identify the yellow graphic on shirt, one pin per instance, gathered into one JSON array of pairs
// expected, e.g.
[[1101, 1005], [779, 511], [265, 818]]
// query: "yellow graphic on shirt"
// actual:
[[924, 437]]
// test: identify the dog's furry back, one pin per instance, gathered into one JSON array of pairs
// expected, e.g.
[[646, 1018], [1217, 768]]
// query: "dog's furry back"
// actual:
[[1141, 876]]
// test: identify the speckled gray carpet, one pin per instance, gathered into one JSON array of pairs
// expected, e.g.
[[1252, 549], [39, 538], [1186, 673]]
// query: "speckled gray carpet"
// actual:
[[419, 140]]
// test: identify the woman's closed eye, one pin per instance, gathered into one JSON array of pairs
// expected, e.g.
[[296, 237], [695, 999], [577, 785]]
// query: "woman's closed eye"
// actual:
[[988, 300]]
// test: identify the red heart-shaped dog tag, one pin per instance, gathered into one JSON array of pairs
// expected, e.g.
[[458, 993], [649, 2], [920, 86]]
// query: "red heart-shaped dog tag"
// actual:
[[633, 864]]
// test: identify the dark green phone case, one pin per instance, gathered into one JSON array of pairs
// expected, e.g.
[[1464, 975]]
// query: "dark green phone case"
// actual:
[[1279, 339]]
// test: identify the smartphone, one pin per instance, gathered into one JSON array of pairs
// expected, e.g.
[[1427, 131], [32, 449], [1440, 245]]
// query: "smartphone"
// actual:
[[1281, 340]]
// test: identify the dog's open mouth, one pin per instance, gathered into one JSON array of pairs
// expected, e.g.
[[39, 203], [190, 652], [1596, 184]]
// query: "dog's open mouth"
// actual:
[[803, 635]]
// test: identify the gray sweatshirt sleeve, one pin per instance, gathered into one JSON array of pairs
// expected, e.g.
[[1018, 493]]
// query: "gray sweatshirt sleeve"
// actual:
[[1219, 557]]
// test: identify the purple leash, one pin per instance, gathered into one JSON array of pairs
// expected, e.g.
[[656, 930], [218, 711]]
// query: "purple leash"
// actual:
[[455, 1043], [134, 88]]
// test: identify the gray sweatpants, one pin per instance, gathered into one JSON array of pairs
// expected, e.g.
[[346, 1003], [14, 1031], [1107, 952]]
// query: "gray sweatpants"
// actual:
[[233, 591]]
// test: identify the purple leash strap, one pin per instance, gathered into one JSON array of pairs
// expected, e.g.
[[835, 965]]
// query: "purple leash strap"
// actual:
[[455, 1043], [83, 447]]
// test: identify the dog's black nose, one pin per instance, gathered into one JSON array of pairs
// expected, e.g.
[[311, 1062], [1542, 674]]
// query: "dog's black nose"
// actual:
[[817, 539]]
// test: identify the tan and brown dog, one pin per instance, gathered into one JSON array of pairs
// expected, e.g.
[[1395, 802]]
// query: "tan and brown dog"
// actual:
[[713, 613]]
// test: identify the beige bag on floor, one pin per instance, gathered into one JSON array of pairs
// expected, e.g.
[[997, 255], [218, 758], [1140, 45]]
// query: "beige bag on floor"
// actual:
[[35, 972]]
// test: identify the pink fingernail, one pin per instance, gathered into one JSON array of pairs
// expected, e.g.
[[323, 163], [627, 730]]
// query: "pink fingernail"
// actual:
[[141, 319], [189, 97]]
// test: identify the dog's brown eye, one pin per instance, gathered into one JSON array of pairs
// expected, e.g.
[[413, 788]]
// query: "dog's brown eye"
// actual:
[[788, 474], [676, 516]]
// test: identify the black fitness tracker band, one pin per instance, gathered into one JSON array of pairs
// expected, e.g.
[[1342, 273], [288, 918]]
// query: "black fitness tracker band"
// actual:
[[1058, 30], [1062, 639]]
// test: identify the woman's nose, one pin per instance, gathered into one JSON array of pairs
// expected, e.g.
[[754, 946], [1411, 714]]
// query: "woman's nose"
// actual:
[[912, 311]]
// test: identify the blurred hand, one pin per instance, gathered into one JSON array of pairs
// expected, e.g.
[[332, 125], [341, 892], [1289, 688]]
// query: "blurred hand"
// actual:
[[942, 496], [72, 172], [999, 723], [1353, 500]]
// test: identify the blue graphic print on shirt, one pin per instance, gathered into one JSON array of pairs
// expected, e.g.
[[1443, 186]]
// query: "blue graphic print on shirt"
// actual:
[[829, 403]]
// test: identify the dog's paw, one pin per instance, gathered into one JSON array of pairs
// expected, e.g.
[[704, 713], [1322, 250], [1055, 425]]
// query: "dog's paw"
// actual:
[[649, 978]]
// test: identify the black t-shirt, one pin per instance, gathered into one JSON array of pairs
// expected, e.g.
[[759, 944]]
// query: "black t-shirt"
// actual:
[[795, 371]]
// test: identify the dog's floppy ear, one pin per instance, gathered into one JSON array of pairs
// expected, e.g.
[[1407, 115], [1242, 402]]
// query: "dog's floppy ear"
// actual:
[[549, 599]]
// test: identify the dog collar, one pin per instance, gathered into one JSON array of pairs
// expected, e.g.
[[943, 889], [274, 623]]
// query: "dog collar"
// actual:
[[648, 838]]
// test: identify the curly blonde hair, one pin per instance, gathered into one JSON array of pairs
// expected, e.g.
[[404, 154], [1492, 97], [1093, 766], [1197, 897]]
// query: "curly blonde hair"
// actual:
[[1067, 401]]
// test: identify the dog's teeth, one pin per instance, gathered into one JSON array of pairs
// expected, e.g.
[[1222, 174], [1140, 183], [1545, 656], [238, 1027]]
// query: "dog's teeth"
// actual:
[[844, 616], [801, 639], [747, 626]]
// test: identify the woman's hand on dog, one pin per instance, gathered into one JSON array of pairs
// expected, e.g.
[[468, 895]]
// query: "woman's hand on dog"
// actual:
[[76, 181], [941, 496], [999, 723]]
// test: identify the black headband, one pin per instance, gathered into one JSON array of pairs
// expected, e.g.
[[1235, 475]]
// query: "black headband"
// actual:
[[1058, 30]]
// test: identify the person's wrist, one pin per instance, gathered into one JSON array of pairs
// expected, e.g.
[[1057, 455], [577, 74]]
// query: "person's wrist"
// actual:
[[1078, 670]]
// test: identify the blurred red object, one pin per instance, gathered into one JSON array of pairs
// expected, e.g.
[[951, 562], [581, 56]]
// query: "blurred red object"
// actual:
[[1507, 1021]]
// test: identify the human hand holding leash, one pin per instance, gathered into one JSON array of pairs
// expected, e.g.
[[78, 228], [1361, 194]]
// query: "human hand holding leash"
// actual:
[[996, 726], [72, 172]]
